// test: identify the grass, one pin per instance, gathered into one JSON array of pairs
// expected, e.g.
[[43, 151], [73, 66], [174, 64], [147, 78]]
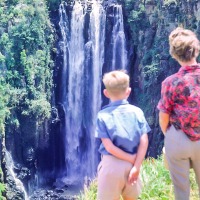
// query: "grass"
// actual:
[[2, 186], [2, 190], [156, 181], [90, 192]]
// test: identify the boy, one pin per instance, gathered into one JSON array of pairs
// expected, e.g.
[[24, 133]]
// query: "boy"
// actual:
[[123, 130]]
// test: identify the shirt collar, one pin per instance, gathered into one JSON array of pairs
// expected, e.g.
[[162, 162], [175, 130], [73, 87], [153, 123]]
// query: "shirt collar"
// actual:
[[117, 103], [188, 68]]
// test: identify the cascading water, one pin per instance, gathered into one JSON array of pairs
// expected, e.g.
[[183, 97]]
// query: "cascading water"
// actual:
[[83, 47], [64, 27], [119, 52], [97, 38], [74, 106], [17, 182]]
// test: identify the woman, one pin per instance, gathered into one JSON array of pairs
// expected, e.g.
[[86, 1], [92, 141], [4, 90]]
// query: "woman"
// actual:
[[179, 115]]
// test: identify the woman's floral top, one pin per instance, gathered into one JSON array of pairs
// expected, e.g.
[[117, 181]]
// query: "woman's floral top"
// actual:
[[180, 98]]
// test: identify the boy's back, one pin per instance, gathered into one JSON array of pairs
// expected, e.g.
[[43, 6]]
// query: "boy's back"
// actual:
[[123, 123]]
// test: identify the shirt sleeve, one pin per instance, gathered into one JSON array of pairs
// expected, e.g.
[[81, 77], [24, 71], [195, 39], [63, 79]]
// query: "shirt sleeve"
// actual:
[[144, 126], [165, 103], [100, 131]]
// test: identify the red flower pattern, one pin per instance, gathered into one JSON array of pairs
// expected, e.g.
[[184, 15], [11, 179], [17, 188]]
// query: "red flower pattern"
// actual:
[[180, 98]]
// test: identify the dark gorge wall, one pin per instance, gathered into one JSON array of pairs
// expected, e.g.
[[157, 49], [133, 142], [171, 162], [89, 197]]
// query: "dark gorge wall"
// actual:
[[149, 24]]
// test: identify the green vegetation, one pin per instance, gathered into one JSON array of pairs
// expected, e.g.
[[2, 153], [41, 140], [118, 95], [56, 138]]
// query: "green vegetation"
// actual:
[[90, 192], [2, 186], [156, 181], [136, 18], [4, 111], [2, 189], [26, 39], [168, 2]]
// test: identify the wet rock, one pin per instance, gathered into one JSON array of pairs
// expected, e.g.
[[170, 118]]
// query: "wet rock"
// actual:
[[58, 190], [57, 194]]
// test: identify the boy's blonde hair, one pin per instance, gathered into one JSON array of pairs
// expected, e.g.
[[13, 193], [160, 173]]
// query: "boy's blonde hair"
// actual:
[[184, 44], [116, 81]]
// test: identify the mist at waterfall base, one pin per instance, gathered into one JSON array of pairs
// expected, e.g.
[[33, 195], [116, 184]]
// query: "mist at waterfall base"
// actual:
[[91, 42]]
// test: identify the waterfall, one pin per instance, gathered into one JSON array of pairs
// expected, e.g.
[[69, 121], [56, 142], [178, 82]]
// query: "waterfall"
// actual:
[[72, 84], [64, 27], [19, 185], [75, 91], [83, 56], [96, 38], [119, 52]]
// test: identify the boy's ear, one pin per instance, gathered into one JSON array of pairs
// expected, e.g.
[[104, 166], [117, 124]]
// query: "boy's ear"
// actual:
[[128, 91], [105, 92]]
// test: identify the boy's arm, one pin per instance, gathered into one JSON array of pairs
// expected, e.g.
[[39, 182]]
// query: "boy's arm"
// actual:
[[142, 149], [117, 152], [163, 121]]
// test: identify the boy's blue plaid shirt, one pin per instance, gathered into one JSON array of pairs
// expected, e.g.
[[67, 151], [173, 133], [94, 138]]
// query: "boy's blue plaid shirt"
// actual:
[[123, 124]]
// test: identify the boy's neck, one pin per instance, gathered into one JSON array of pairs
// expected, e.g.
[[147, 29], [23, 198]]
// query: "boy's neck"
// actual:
[[117, 99]]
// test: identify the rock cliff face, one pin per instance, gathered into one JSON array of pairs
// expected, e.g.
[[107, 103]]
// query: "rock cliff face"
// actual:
[[149, 23]]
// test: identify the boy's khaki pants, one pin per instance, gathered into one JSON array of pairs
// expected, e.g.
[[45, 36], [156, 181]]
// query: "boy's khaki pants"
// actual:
[[113, 180], [181, 154]]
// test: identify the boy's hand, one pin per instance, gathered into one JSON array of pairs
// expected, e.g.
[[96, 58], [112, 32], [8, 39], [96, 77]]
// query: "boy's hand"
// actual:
[[133, 175], [117, 152]]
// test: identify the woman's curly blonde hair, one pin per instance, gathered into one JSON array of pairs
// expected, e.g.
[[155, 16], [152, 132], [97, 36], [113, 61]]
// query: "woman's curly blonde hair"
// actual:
[[184, 44]]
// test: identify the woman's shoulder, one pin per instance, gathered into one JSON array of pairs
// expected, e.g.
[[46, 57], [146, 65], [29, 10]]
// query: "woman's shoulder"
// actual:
[[171, 79]]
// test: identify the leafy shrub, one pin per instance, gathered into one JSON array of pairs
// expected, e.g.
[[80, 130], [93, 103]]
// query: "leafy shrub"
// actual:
[[4, 111], [26, 39], [2, 187], [168, 2]]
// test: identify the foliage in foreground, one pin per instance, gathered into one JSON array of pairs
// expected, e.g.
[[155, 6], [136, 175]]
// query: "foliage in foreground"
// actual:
[[2, 186], [2, 189], [156, 181]]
